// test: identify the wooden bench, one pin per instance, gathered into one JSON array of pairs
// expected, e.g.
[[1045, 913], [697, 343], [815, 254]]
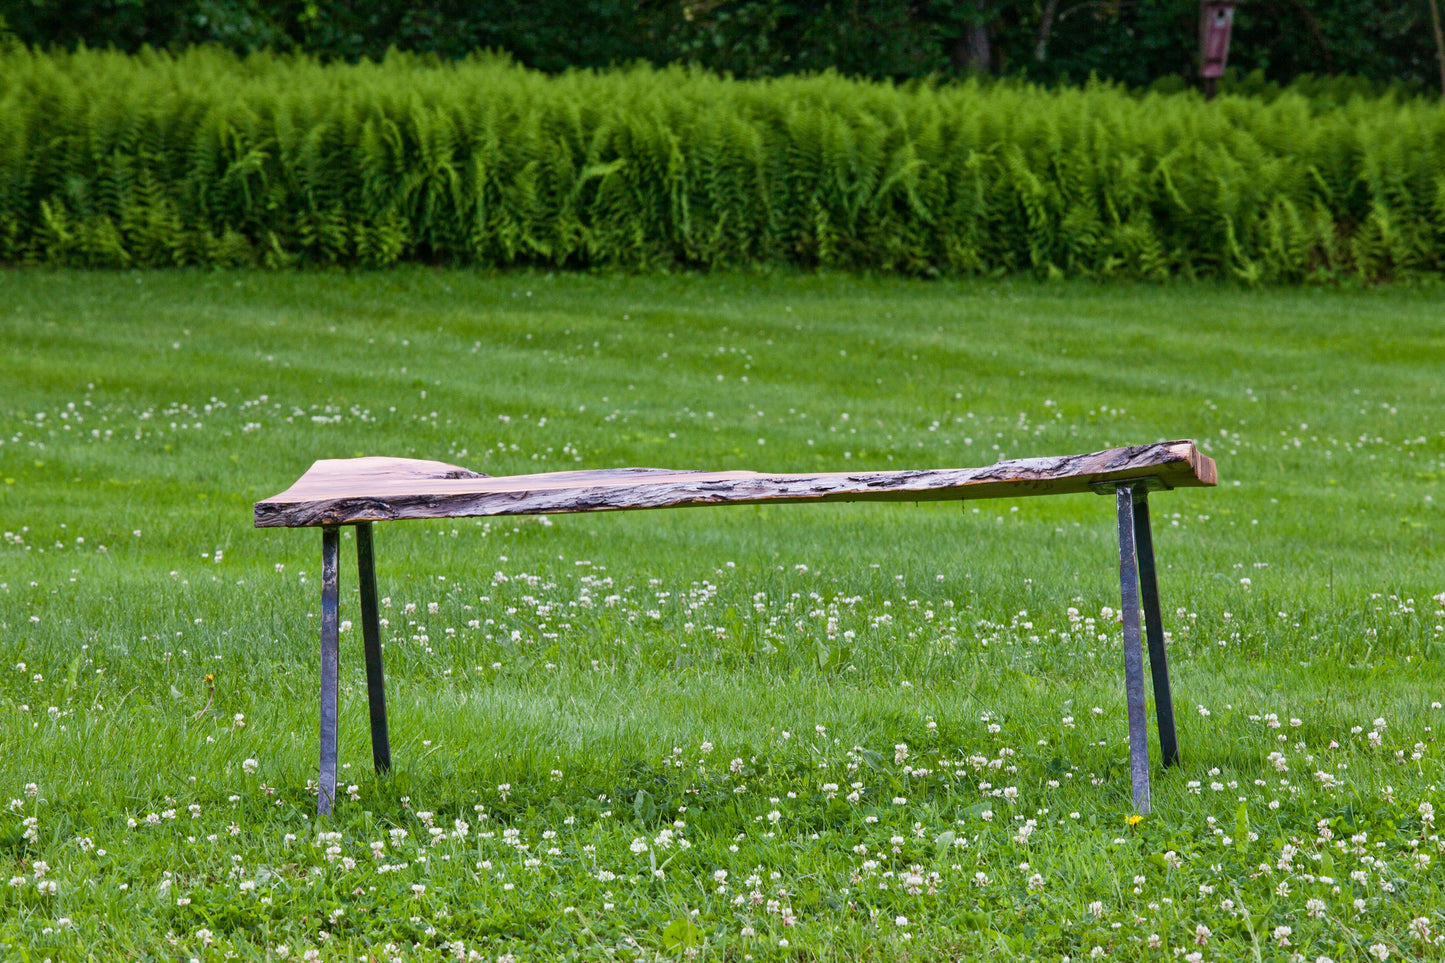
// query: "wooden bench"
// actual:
[[360, 491]]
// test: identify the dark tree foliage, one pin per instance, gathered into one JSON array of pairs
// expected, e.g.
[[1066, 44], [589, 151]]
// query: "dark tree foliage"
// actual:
[[1135, 42]]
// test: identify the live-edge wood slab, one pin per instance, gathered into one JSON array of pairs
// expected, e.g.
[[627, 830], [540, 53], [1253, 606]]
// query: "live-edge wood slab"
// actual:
[[348, 491]]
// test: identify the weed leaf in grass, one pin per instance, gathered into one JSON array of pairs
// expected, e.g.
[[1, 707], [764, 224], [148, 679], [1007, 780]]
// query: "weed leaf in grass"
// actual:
[[643, 807], [872, 758], [681, 934]]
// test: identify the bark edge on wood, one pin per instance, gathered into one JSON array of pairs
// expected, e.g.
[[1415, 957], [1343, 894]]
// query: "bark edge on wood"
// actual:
[[347, 491]]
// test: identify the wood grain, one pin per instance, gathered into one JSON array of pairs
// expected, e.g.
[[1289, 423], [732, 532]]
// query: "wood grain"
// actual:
[[351, 490]]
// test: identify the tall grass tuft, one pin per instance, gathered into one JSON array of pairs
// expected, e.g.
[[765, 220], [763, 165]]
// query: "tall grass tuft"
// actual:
[[203, 158]]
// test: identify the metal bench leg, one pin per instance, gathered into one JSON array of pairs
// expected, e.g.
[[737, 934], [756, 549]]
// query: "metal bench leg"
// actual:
[[1133, 649], [371, 632], [1154, 631], [330, 651]]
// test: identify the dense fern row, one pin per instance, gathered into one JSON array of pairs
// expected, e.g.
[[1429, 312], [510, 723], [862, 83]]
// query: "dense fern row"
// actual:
[[109, 160]]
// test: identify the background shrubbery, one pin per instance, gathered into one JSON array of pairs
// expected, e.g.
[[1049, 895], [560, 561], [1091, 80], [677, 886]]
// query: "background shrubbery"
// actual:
[[201, 157], [1135, 42]]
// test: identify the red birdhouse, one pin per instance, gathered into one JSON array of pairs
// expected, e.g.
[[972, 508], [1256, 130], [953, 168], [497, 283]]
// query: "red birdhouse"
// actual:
[[1217, 18]]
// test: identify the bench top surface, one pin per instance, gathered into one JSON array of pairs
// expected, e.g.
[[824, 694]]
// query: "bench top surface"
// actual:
[[346, 491]]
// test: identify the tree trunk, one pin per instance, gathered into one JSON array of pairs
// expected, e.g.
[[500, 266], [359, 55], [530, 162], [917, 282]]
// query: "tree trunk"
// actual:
[[972, 51], [1314, 28], [1046, 27], [1439, 42]]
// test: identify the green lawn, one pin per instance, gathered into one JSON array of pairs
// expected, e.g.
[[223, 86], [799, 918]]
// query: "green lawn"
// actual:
[[834, 732]]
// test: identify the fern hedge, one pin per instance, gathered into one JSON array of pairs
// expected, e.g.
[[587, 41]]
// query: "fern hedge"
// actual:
[[205, 158]]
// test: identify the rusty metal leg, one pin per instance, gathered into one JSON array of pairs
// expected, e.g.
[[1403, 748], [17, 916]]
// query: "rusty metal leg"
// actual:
[[1133, 650], [330, 652], [371, 632], [1154, 631]]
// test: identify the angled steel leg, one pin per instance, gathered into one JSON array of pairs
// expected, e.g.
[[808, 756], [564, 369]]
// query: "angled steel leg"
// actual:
[[1154, 630], [330, 651], [371, 632], [1133, 649]]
